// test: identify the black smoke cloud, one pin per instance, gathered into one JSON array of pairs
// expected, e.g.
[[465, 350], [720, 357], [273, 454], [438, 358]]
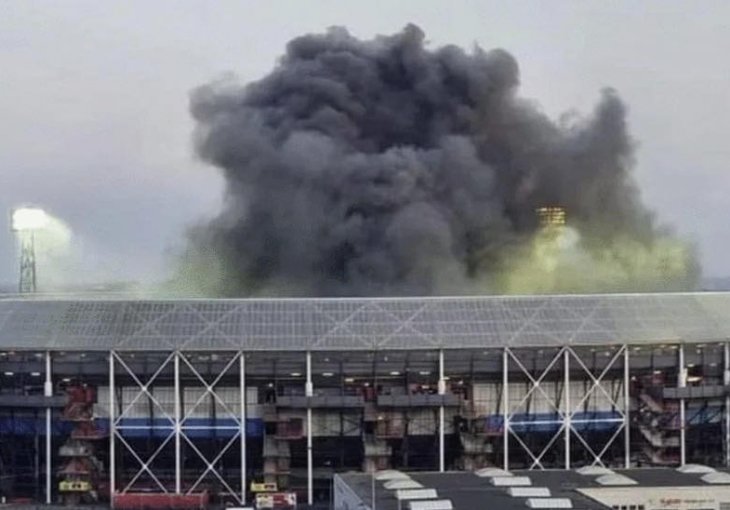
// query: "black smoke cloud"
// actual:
[[381, 167]]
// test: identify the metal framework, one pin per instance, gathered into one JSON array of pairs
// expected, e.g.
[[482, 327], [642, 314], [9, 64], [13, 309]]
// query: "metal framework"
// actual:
[[361, 324], [567, 326], [178, 427], [171, 428], [567, 361], [566, 411], [28, 279]]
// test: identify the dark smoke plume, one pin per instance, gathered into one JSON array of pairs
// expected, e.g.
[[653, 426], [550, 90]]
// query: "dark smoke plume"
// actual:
[[381, 167]]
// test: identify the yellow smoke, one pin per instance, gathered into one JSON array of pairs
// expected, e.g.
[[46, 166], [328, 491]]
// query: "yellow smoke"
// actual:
[[556, 260]]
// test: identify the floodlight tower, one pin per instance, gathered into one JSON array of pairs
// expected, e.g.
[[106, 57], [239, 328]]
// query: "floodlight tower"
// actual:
[[25, 221]]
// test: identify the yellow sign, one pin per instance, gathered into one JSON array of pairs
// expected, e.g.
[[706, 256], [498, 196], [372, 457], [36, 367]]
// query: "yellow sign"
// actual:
[[263, 487], [74, 486]]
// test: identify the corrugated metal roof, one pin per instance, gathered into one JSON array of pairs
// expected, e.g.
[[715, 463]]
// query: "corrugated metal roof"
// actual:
[[63, 323]]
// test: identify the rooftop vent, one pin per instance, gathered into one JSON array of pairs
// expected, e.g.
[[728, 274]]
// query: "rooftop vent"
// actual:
[[406, 494], [391, 474], [695, 468], [438, 504], [529, 492], [716, 477], [615, 479], [511, 481], [594, 471], [491, 472], [549, 503], [402, 483]]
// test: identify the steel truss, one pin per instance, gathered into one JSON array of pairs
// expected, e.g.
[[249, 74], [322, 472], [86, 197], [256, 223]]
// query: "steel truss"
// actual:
[[117, 426], [238, 428], [567, 366], [179, 425], [566, 410]]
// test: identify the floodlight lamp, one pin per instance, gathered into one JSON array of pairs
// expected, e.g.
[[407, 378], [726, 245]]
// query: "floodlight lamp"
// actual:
[[28, 218]]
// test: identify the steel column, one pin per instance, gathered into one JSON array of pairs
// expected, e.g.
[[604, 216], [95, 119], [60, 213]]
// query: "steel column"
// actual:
[[682, 431], [48, 392], [505, 408], [112, 432], [627, 406], [372, 489], [566, 402], [242, 381], [309, 391], [178, 411], [726, 382], [441, 391]]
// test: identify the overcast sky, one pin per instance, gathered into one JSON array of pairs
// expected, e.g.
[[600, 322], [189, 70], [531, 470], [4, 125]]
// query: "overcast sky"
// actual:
[[94, 121]]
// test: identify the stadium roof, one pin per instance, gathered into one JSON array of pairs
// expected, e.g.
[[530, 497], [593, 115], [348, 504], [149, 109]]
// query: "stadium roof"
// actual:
[[73, 323]]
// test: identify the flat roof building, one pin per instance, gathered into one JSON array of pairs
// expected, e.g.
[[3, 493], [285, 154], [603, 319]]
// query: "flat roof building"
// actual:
[[620, 489]]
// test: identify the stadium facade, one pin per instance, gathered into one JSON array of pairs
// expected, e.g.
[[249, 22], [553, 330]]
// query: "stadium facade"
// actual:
[[162, 393]]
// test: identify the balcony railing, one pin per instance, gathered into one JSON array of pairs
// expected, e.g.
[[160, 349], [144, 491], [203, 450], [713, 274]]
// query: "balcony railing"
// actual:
[[447, 400]]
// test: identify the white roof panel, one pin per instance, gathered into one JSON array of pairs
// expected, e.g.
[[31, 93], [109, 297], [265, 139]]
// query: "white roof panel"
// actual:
[[403, 483], [615, 479], [529, 492], [437, 504], [491, 472], [391, 474], [594, 471], [695, 468], [406, 494], [716, 478], [549, 503], [83, 322], [511, 481]]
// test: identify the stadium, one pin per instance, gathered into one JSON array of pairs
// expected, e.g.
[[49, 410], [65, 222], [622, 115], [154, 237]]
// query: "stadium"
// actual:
[[132, 398]]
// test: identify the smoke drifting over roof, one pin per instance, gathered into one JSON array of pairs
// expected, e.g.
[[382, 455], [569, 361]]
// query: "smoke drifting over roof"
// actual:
[[381, 167]]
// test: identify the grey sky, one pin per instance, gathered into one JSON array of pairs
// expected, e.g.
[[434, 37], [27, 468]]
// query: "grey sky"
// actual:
[[94, 96]]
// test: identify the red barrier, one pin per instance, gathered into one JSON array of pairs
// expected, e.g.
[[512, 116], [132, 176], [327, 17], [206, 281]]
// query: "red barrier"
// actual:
[[151, 501]]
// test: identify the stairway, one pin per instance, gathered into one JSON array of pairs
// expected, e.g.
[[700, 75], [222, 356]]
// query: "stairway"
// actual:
[[657, 421]]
